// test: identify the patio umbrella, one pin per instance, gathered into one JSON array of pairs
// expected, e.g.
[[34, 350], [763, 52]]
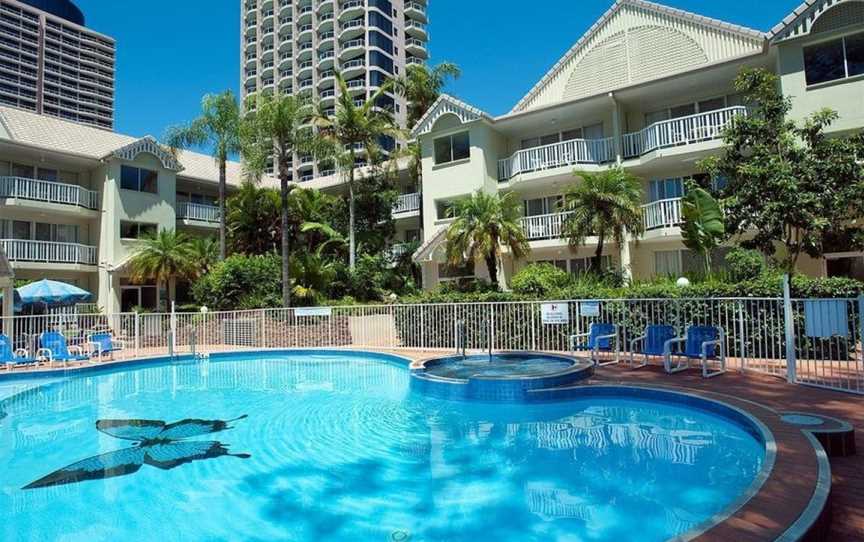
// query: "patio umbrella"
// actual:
[[52, 293]]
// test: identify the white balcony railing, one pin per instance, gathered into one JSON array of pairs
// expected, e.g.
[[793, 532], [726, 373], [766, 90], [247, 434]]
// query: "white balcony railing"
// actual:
[[19, 250], [544, 226], [680, 131], [565, 153], [665, 213], [197, 211], [32, 189], [407, 203]]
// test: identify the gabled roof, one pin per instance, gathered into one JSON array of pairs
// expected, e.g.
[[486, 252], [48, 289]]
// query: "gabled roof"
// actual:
[[800, 21], [444, 105], [146, 144], [56, 135], [617, 7], [425, 252]]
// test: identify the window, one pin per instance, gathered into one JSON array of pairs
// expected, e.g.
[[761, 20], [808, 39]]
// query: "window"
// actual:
[[452, 148], [379, 59], [140, 180], [380, 21], [46, 174], [19, 170], [543, 206], [580, 266], [834, 60], [135, 230], [443, 209], [379, 40], [666, 189], [675, 263], [667, 263]]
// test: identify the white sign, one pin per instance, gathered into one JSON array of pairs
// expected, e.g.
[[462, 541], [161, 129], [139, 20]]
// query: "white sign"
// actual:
[[314, 311], [555, 314], [589, 309]]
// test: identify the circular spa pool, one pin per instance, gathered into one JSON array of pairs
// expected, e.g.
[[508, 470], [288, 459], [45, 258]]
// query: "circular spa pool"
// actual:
[[499, 377], [315, 446]]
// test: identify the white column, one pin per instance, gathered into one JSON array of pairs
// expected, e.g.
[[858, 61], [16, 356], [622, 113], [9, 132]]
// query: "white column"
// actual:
[[8, 300], [616, 129]]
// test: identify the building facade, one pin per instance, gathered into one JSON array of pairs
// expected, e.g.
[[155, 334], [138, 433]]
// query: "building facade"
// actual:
[[297, 46], [52, 64], [75, 199], [648, 88]]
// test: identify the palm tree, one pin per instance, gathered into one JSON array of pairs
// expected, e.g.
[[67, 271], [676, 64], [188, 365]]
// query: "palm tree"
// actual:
[[276, 129], [483, 223], [163, 257], [421, 86], [352, 128], [203, 255], [606, 204], [218, 127]]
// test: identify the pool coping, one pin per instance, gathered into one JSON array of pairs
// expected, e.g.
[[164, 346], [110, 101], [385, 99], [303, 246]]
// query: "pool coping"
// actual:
[[744, 528]]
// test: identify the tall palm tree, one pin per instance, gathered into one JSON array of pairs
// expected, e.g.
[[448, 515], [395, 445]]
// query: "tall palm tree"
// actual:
[[355, 127], [421, 86], [483, 223], [277, 129], [606, 204], [163, 257], [218, 128]]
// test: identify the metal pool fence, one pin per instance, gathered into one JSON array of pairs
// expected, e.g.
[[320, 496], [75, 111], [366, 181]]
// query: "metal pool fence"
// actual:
[[809, 341]]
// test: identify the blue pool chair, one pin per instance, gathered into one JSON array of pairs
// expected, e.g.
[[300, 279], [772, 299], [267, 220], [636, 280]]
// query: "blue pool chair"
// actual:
[[103, 343], [12, 357], [600, 338], [55, 349], [704, 343], [651, 344]]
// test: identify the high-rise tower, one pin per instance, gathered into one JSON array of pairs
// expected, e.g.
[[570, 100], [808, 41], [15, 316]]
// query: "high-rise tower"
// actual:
[[52, 64], [298, 45]]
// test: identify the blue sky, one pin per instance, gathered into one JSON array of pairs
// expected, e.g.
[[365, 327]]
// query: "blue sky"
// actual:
[[165, 64]]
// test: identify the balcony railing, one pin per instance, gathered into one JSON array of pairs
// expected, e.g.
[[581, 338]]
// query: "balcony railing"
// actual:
[[197, 211], [680, 131], [544, 226], [665, 213], [565, 153], [19, 250], [407, 203], [399, 249], [32, 189]]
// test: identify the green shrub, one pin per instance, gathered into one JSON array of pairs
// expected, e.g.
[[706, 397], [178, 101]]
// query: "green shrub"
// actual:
[[241, 282], [540, 279], [745, 264]]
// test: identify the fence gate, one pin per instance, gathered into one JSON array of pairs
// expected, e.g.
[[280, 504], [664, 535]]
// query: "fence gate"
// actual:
[[826, 336]]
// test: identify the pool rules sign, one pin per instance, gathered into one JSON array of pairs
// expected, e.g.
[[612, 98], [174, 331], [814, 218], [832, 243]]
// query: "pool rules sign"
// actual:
[[555, 314]]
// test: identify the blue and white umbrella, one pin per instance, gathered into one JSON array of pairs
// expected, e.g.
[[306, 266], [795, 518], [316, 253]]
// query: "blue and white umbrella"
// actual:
[[51, 293]]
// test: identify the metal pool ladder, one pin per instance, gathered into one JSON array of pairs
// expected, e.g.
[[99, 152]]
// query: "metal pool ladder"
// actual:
[[461, 336]]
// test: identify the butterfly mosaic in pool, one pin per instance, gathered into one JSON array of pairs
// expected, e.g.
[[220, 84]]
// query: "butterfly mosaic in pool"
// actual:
[[157, 443]]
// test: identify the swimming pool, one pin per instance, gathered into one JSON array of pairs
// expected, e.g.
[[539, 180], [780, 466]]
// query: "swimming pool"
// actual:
[[334, 446]]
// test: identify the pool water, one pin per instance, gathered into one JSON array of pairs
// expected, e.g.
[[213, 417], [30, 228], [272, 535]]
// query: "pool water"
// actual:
[[498, 365], [336, 447]]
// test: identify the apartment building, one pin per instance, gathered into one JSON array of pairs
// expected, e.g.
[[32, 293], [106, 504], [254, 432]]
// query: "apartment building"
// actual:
[[75, 199], [297, 46], [52, 64], [649, 88]]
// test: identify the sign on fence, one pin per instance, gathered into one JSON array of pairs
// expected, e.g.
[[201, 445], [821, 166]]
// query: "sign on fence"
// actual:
[[589, 309], [825, 318], [313, 311], [555, 314]]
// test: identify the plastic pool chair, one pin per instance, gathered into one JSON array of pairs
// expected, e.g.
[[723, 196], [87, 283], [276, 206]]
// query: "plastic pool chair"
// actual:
[[704, 343], [102, 343], [12, 357], [651, 344], [54, 348], [600, 338]]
